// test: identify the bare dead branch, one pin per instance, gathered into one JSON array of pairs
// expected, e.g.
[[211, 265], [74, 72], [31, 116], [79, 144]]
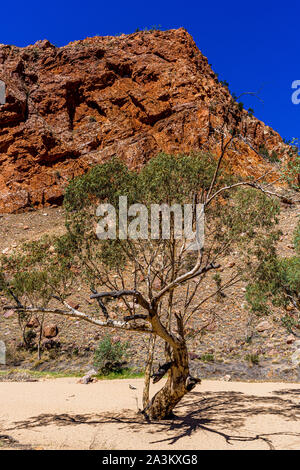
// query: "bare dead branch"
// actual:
[[252, 93], [137, 316], [121, 293], [72, 312], [101, 305]]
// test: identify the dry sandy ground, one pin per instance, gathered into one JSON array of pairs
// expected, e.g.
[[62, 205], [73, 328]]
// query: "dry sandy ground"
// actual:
[[62, 414]]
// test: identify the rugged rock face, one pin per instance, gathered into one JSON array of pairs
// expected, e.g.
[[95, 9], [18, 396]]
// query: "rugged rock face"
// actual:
[[72, 107]]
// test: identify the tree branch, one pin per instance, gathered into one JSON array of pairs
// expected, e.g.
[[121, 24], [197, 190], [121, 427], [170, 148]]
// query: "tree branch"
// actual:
[[101, 305], [185, 277], [72, 312], [117, 294]]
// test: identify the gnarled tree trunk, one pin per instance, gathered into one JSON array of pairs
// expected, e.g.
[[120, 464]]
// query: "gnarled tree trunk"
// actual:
[[179, 383]]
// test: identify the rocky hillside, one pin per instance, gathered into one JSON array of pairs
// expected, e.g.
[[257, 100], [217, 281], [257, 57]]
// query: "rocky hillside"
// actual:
[[72, 107], [237, 343]]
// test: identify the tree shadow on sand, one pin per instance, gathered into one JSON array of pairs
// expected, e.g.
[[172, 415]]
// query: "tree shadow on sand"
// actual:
[[221, 413]]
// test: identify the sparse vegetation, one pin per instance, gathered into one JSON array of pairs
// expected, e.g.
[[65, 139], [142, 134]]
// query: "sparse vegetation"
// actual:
[[264, 152], [224, 83], [111, 355], [278, 283], [207, 357], [243, 219], [252, 359], [290, 170]]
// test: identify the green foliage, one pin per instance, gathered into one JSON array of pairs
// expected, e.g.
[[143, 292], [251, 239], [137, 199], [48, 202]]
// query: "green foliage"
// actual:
[[125, 373], [110, 355], [264, 152], [111, 254], [243, 222], [277, 282], [172, 179], [241, 219], [224, 83], [104, 182], [290, 170], [252, 358], [207, 357], [164, 179], [289, 323], [297, 238], [274, 157], [36, 271]]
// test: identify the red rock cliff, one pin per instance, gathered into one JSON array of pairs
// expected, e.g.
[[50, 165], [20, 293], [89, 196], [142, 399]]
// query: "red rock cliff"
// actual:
[[72, 107]]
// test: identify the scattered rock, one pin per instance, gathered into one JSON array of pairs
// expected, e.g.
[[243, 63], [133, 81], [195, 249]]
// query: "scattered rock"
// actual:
[[264, 325], [50, 331], [8, 313], [289, 308], [88, 377], [227, 378], [74, 305], [33, 323], [290, 339]]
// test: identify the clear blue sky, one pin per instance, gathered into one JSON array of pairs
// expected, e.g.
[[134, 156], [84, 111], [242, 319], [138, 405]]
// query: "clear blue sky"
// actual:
[[249, 44]]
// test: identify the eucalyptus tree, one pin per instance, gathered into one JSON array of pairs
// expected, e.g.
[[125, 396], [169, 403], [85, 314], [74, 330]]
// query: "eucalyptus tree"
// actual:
[[277, 283], [149, 285]]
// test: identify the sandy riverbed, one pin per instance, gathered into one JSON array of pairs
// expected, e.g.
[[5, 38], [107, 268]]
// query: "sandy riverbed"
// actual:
[[62, 414]]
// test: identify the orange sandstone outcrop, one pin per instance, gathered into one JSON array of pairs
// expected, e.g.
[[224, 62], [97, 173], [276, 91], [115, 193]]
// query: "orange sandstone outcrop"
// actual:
[[70, 108]]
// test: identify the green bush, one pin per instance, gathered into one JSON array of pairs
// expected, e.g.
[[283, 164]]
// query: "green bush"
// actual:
[[207, 358], [253, 359], [110, 355], [264, 152]]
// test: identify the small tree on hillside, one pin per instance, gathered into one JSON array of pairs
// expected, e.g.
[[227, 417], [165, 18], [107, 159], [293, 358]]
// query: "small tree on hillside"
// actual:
[[277, 282], [151, 286]]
